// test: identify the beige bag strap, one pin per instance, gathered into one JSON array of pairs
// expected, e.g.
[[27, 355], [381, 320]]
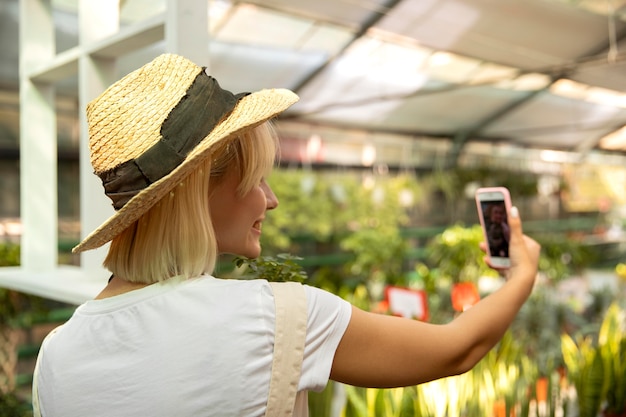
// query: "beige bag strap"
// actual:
[[290, 332]]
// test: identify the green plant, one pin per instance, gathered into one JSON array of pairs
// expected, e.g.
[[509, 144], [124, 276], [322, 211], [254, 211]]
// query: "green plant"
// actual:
[[597, 366], [12, 305], [10, 301], [283, 267], [562, 257], [538, 327], [456, 254], [612, 346], [585, 370], [13, 406]]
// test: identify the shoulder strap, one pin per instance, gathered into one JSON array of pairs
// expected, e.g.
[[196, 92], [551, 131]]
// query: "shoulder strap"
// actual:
[[290, 332]]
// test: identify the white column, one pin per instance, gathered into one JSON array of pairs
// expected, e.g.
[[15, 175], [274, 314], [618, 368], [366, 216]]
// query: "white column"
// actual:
[[38, 142], [187, 29], [97, 20]]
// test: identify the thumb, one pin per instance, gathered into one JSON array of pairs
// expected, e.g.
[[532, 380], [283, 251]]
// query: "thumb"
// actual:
[[523, 251], [515, 224]]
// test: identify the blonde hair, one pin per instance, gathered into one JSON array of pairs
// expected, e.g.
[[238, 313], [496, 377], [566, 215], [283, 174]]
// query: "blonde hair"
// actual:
[[176, 236]]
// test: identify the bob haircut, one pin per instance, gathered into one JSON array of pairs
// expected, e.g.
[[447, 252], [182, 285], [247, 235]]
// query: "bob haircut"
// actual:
[[176, 236]]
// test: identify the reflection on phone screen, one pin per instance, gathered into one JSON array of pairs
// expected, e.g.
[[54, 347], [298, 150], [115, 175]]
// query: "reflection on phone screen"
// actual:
[[496, 227]]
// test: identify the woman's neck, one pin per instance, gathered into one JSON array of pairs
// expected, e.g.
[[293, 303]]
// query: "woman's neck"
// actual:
[[118, 286]]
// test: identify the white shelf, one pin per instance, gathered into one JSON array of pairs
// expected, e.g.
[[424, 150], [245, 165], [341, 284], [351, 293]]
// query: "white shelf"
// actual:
[[67, 284]]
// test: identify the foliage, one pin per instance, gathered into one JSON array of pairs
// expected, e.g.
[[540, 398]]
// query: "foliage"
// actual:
[[452, 182], [612, 347], [597, 366], [537, 325], [562, 257], [11, 405], [306, 209], [358, 216], [10, 301], [455, 253], [584, 369], [9, 254], [14, 304], [282, 268], [377, 254]]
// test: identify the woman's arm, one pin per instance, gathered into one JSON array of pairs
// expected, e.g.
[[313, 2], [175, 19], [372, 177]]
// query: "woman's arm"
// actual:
[[385, 351]]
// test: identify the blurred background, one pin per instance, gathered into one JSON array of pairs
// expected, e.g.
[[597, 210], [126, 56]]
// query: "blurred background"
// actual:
[[406, 108]]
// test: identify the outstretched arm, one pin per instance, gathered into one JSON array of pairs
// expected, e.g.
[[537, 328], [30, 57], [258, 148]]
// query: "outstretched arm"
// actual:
[[385, 351]]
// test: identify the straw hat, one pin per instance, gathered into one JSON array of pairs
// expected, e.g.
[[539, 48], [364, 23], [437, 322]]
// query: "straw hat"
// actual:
[[153, 127]]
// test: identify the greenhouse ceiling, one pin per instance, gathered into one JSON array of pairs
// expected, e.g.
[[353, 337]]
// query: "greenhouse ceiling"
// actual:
[[538, 74]]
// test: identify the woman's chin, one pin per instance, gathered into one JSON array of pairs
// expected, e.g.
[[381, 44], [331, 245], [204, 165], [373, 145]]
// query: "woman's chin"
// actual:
[[251, 253]]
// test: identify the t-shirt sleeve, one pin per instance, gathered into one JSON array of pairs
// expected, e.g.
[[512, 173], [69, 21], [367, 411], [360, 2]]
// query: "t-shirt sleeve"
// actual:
[[328, 318]]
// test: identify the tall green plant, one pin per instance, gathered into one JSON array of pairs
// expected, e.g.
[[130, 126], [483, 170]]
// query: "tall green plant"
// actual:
[[597, 367], [585, 370], [612, 347]]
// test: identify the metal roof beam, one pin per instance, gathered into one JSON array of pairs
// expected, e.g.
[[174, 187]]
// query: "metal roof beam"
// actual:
[[374, 18]]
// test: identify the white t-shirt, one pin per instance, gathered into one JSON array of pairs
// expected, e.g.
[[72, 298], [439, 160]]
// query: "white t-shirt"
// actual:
[[199, 347]]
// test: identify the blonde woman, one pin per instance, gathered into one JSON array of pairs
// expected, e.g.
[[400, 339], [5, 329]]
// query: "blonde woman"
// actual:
[[184, 163]]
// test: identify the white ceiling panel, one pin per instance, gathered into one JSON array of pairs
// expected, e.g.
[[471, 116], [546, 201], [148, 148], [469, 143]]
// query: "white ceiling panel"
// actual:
[[241, 67], [351, 13], [557, 122], [527, 34], [456, 71]]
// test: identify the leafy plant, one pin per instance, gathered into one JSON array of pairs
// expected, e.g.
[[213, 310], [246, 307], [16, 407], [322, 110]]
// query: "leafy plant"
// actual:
[[281, 268], [597, 366], [585, 370], [612, 347], [538, 326], [456, 254], [10, 301], [13, 406], [561, 257]]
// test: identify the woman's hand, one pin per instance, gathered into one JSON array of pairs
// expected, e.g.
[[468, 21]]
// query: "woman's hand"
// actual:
[[523, 250]]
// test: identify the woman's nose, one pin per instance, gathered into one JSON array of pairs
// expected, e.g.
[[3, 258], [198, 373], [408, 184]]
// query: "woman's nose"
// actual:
[[272, 200]]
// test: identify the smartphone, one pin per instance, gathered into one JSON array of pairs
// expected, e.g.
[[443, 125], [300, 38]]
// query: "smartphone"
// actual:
[[494, 206]]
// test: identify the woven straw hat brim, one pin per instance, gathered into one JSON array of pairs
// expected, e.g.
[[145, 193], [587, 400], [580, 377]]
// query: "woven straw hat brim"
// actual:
[[251, 111]]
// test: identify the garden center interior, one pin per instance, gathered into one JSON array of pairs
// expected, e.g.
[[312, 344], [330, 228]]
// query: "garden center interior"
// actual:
[[406, 108]]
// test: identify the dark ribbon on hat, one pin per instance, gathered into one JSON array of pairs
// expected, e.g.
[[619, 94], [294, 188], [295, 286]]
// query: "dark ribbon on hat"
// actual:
[[204, 105]]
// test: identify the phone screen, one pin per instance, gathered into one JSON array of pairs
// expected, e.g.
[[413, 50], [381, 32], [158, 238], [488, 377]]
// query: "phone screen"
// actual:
[[493, 207]]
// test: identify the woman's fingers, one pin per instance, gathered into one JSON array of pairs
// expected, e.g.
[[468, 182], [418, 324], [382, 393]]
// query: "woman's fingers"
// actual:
[[523, 250]]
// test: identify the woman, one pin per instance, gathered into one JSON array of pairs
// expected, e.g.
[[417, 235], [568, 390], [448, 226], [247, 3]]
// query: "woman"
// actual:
[[185, 163], [498, 233]]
